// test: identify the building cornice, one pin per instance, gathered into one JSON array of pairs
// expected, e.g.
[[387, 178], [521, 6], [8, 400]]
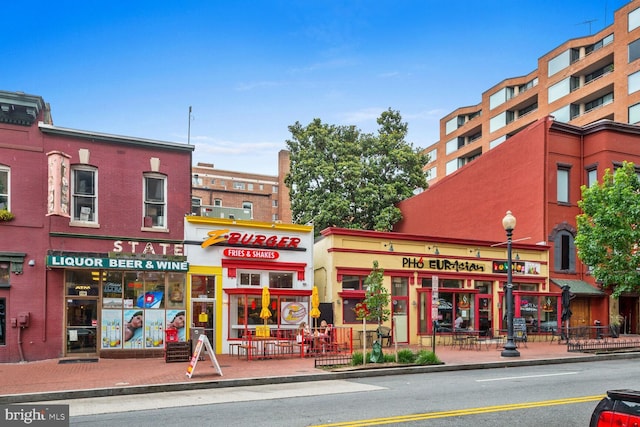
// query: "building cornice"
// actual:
[[110, 138]]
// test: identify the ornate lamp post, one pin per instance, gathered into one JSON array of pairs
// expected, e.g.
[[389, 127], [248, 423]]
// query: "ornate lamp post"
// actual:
[[509, 223]]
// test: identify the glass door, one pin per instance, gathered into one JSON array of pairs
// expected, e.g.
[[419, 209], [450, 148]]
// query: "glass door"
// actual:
[[203, 318], [82, 322], [485, 315], [399, 309]]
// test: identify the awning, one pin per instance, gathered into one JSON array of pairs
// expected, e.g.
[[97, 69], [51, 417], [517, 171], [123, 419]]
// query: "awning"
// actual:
[[578, 287]]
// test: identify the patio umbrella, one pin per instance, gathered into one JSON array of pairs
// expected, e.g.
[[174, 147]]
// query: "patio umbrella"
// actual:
[[566, 311], [266, 299], [315, 303], [566, 303]]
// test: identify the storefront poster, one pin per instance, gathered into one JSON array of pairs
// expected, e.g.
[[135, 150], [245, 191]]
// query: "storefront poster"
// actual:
[[154, 328], [134, 328], [111, 333], [292, 313], [176, 319]]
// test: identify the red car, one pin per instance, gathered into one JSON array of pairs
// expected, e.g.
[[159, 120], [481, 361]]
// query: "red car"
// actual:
[[621, 408]]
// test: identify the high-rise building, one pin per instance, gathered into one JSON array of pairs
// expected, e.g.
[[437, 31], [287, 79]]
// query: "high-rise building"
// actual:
[[579, 82]]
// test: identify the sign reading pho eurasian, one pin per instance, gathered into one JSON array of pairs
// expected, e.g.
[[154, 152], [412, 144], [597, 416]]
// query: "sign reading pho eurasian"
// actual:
[[65, 261]]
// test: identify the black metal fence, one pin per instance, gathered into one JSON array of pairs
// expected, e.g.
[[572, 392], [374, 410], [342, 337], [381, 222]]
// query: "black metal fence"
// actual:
[[340, 359], [603, 345]]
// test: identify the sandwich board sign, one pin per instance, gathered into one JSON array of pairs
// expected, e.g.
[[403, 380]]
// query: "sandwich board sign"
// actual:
[[203, 340]]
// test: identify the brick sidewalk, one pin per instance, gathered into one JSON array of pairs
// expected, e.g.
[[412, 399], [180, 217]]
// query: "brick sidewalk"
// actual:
[[52, 376]]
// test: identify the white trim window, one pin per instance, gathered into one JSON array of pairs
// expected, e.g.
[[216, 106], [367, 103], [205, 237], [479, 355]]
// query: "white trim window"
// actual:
[[84, 194], [249, 278], [155, 201], [5, 181]]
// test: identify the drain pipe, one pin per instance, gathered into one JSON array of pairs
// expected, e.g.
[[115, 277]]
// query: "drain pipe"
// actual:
[[20, 343]]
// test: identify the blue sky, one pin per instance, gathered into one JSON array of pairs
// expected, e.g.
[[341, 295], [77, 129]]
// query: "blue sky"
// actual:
[[250, 69]]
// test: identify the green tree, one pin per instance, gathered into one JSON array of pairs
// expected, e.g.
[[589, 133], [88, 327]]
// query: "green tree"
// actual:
[[341, 177], [609, 229], [376, 297]]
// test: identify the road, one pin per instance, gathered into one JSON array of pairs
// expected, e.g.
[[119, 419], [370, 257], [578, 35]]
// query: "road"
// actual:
[[549, 395]]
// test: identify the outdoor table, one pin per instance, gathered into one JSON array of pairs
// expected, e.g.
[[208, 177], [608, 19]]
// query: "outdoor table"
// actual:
[[467, 339]]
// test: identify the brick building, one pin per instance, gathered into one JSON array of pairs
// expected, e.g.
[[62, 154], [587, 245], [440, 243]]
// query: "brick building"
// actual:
[[96, 239], [581, 81], [219, 193], [537, 175]]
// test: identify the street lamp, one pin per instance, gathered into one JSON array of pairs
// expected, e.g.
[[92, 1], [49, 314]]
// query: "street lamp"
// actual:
[[509, 223]]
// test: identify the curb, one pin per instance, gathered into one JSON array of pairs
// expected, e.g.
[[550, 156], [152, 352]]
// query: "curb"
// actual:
[[334, 375]]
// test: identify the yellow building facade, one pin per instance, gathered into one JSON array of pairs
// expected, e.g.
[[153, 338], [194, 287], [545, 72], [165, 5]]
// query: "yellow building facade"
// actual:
[[434, 281]]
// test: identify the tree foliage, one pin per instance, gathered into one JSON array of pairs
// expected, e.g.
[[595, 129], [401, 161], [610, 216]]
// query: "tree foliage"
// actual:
[[341, 177], [376, 299], [609, 229]]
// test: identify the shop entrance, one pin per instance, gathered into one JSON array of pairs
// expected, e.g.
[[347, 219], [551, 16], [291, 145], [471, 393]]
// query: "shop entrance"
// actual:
[[203, 317], [629, 312], [82, 322]]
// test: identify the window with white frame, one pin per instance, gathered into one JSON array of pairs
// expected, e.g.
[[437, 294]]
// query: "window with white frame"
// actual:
[[560, 89], [633, 82], [249, 279], [451, 166], [274, 188], [84, 194], [433, 155], [217, 203], [634, 114], [592, 176], [238, 185], [4, 188], [558, 63], [431, 173], [451, 125], [155, 200], [634, 50], [280, 280], [634, 20], [563, 183]]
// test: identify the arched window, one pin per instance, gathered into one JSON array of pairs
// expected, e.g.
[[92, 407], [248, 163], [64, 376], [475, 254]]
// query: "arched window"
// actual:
[[564, 249]]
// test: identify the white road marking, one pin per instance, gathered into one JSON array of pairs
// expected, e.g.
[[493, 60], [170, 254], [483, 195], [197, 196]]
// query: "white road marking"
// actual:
[[141, 402], [527, 376]]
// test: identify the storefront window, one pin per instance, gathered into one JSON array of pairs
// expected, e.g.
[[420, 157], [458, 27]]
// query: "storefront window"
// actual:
[[82, 283], [540, 312], [249, 279], [175, 290], [286, 312], [353, 282], [281, 280], [348, 310], [133, 288], [443, 283], [112, 289], [4, 273], [133, 312], [203, 286], [483, 287]]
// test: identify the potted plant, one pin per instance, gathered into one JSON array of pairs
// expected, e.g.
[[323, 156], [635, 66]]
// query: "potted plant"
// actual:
[[5, 215], [615, 321]]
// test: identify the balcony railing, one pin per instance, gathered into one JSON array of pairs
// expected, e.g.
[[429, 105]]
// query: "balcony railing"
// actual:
[[222, 212]]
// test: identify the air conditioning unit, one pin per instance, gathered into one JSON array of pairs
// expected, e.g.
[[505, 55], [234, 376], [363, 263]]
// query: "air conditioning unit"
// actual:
[[85, 213]]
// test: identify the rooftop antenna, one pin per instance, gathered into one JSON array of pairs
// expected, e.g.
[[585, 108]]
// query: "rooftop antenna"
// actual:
[[189, 128], [588, 22]]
